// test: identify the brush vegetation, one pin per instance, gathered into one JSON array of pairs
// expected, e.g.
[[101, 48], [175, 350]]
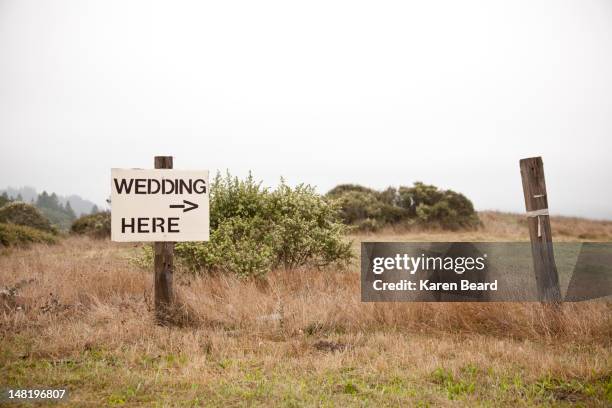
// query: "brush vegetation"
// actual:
[[255, 230], [12, 235], [423, 205], [4, 199], [27, 215], [21, 225], [96, 225]]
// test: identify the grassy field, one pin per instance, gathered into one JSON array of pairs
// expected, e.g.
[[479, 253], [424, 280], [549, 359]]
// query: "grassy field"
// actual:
[[80, 316]]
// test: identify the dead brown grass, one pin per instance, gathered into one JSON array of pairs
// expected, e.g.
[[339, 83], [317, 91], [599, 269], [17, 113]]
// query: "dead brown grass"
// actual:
[[85, 295], [501, 227]]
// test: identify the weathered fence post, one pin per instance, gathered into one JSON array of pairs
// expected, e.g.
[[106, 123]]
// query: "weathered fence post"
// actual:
[[164, 263], [536, 203]]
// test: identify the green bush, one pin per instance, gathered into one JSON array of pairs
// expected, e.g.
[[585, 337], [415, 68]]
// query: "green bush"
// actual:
[[307, 228], [356, 206], [254, 230], [340, 189], [95, 225], [432, 206], [4, 199], [20, 235], [25, 214], [368, 209], [231, 197], [239, 245]]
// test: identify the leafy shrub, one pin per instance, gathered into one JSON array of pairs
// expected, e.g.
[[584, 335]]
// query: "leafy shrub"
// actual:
[[20, 235], [95, 225], [254, 230], [145, 258], [368, 209], [356, 206], [4, 199], [432, 206], [231, 197], [25, 214], [239, 245], [340, 189], [389, 196], [307, 228]]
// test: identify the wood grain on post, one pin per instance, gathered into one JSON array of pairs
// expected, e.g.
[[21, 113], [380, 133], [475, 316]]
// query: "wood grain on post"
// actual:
[[164, 262], [536, 203]]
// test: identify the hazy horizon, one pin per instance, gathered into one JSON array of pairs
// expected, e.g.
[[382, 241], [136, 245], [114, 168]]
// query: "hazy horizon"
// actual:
[[379, 94]]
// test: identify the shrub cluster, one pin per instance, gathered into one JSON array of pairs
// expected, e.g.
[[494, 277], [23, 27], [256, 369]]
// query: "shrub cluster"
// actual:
[[96, 225], [422, 204], [430, 205], [20, 235], [23, 214], [4, 199], [254, 230], [364, 208]]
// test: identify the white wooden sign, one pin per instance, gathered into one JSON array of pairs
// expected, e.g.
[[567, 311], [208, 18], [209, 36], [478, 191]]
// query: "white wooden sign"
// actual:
[[159, 205]]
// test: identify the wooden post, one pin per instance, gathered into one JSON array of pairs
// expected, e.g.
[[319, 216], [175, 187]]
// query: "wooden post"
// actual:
[[536, 203], [164, 263]]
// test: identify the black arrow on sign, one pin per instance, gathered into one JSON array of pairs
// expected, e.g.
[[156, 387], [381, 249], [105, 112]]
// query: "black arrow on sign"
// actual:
[[189, 204]]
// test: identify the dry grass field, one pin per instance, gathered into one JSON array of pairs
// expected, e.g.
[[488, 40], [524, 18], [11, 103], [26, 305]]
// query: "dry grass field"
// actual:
[[80, 316]]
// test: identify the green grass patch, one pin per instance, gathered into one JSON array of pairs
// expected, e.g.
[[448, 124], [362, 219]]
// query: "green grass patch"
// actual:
[[121, 378]]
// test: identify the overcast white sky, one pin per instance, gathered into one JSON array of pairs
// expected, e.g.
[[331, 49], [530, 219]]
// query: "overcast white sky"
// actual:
[[379, 93]]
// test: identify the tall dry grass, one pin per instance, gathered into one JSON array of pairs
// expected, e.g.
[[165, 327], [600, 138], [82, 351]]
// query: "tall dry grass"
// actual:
[[86, 292], [83, 299], [500, 227]]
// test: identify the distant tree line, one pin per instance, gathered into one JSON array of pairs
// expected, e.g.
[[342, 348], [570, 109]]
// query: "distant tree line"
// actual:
[[29, 195], [60, 215]]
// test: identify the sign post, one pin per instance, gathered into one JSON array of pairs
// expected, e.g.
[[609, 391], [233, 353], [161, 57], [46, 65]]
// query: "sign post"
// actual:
[[164, 262], [536, 203], [163, 206]]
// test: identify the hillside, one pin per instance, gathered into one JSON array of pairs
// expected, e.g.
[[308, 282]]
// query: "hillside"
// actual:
[[80, 317]]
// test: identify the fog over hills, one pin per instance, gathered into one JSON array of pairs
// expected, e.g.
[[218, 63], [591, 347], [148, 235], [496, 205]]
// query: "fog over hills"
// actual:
[[78, 203]]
